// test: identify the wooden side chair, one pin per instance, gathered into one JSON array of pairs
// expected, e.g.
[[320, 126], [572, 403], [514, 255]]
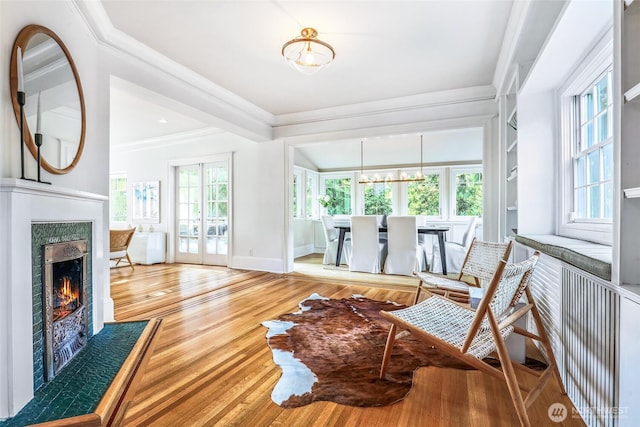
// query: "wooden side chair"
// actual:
[[471, 335], [480, 263], [119, 241]]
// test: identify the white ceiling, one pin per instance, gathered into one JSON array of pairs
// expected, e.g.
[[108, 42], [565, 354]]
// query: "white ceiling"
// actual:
[[138, 114], [384, 50]]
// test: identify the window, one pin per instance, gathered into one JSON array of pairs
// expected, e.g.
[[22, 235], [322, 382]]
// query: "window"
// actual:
[[423, 197], [312, 195], [593, 152], [377, 199], [297, 206], [586, 162], [468, 192], [339, 192], [118, 198], [446, 194]]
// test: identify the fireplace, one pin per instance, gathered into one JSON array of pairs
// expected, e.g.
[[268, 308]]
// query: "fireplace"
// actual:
[[65, 298], [50, 214]]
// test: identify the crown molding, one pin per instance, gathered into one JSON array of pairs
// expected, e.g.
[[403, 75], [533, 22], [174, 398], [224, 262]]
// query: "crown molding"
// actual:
[[167, 140], [244, 118], [316, 135], [121, 44], [386, 122], [392, 105], [510, 42]]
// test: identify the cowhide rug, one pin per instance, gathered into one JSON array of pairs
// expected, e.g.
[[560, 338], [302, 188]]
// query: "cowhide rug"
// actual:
[[332, 350]]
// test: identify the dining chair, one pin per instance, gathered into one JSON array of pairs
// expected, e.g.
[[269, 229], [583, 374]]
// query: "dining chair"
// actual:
[[331, 241], [471, 335], [478, 267], [119, 241], [454, 252], [367, 251], [425, 241], [404, 252]]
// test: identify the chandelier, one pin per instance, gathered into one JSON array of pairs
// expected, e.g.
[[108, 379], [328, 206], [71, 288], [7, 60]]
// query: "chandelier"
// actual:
[[306, 53], [377, 179]]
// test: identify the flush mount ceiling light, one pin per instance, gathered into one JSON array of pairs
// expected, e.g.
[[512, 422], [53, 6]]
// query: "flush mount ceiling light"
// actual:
[[377, 179], [306, 53]]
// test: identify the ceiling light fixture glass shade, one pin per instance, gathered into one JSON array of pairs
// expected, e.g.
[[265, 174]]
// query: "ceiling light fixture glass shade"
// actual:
[[376, 179], [308, 54]]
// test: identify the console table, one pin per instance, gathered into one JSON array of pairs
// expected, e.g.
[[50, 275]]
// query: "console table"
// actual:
[[148, 247]]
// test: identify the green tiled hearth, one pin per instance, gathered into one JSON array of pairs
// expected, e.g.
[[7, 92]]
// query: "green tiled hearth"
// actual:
[[77, 390]]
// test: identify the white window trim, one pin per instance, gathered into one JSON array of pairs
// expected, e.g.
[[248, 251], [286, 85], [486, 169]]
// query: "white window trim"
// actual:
[[315, 206], [586, 72], [299, 177], [452, 188], [126, 191], [341, 175], [404, 195], [400, 196]]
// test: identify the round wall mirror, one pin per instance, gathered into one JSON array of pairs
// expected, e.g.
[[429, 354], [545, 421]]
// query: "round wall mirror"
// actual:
[[54, 98]]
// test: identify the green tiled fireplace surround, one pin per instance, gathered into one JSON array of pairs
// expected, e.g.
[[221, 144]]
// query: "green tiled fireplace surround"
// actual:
[[43, 234]]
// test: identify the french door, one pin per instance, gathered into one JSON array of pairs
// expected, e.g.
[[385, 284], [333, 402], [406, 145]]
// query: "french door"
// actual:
[[202, 213]]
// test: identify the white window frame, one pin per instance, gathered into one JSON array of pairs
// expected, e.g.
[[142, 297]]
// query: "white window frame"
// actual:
[[345, 175], [404, 194], [586, 73], [111, 198], [315, 206], [372, 173], [300, 195], [451, 209]]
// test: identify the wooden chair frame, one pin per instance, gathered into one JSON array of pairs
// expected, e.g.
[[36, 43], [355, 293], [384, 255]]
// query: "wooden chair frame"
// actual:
[[477, 269], [497, 323], [119, 241]]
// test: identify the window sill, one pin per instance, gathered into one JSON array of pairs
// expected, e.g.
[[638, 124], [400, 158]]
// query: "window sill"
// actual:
[[592, 257]]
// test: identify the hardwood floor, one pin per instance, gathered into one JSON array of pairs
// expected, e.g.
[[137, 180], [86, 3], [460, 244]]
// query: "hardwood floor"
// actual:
[[212, 365]]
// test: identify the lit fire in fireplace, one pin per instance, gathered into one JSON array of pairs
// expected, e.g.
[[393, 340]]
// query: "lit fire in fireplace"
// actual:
[[66, 298]]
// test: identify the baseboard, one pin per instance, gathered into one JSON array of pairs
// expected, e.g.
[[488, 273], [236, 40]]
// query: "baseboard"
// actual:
[[272, 265], [303, 250]]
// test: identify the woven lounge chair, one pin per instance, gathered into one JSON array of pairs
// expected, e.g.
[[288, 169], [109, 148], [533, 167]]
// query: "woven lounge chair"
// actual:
[[471, 335], [480, 263], [119, 241]]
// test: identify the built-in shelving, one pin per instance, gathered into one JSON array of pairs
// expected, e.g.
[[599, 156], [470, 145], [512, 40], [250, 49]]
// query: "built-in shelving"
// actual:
[[629, 57], [510, 135], [512, 119], [632, 193], [632, 93]]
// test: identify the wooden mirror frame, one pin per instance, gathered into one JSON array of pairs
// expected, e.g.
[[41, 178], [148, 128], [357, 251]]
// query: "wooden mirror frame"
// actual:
[[21, 41]]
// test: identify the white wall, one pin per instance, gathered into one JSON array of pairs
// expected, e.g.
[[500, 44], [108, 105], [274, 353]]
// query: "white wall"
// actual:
[[537, 170], [63, 19], [92, 171], [258, 199]]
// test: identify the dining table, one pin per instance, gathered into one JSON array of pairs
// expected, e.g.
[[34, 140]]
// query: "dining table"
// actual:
[[345, 228]]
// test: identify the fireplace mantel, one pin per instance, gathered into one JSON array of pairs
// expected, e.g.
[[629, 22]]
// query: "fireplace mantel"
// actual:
[[23, 203]]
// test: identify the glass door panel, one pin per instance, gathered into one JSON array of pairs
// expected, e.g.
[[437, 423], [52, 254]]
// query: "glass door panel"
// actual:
[[216, 217], [202, 213], [188, 214]]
